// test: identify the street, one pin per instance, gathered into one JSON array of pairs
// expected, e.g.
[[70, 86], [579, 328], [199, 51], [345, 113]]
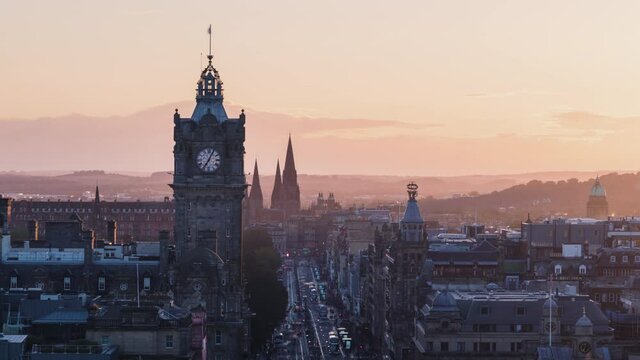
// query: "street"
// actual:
[[310, 323]]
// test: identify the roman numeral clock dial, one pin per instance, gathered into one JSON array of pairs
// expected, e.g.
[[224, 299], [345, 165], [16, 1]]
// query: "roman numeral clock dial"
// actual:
[[208, 160]]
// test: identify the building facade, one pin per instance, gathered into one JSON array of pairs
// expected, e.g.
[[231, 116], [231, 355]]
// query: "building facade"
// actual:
[[136, 220]]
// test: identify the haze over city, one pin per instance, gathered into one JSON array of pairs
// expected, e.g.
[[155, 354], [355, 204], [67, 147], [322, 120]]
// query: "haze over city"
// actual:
[[291, 180], [417, 88]]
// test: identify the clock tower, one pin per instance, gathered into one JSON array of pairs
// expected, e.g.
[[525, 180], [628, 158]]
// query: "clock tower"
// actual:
[[209, 187]]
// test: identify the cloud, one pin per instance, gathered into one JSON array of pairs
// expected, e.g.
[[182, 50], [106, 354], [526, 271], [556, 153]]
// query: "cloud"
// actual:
[[497, 95]]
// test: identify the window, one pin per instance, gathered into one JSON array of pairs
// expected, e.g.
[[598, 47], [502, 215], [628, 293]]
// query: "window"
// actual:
[[444, 346], [146, 283], [612, 259], [168, 342], [67, 283], [612, 297], [460, 347], [625, 259], [14, 282], [429, 345], [218, 337], [520, 310], [516, 346], [636, 258], [558, 269], [582, 270], [105, 340], [101, 283]]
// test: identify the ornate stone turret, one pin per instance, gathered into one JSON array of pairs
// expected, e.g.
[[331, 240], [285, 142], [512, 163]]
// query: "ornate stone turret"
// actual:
[[597, 206], [412, 224], [584, 345]]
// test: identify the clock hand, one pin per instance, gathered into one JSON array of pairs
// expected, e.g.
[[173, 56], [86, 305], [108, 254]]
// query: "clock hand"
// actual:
[[209, 159]]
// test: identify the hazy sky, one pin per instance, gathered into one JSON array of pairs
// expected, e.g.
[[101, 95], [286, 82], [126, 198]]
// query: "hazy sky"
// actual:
[[564, 72]]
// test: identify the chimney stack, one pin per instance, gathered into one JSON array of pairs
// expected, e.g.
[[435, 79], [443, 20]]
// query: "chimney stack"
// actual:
[[112, 231]]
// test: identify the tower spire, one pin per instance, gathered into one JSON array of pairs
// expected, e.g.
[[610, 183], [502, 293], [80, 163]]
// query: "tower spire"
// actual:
[[256, 191], [290, 188], [276, 194]]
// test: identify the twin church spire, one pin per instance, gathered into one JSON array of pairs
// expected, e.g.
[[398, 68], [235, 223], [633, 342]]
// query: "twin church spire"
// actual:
[[286, 191]]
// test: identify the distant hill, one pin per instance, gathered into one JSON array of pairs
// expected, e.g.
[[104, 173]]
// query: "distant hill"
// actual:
[[349, 189], [549, 197]]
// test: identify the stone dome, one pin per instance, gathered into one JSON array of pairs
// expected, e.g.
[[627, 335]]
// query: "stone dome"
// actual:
[[584, 325], [550, 303], [597, 189], [584, 321]]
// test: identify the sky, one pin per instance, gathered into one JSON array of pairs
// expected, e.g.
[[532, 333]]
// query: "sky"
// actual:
[[553, 83]]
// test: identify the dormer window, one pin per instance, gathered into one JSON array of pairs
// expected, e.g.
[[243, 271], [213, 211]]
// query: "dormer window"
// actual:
[[67, 283], [636, 258], [558, 269], [625, 259], [13, 284], [612, 259], [582, 270], [101, 283]]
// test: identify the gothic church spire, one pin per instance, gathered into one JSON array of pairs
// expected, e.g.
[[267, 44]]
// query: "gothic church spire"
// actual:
[[276, 194]]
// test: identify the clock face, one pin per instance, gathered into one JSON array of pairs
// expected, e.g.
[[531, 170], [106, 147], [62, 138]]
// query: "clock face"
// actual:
[[197, 286], [550, 326], [584, 347], [208, 160]]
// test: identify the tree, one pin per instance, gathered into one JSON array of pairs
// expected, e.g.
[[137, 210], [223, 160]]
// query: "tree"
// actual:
[[267, 296]]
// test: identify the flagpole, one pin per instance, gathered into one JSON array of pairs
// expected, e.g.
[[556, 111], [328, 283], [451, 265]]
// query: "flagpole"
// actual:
[[138, 282], [209, 39]]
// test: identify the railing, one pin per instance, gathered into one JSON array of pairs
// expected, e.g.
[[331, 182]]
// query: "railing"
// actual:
[[68, 349]]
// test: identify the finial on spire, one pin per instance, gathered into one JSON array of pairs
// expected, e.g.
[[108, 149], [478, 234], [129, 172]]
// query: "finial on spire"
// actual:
[[412, 190], [210, 56]]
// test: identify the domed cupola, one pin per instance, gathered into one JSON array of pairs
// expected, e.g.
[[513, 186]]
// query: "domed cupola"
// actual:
[[550, 305], [584, 325], [209, 94], [597, 205], [597, 189]]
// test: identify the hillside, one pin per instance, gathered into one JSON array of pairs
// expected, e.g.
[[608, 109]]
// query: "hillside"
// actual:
[[349, 189], [547, 198]]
